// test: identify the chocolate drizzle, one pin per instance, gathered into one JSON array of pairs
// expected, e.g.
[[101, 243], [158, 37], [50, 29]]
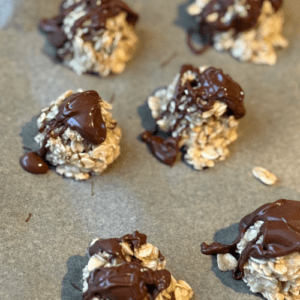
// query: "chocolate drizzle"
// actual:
[[97, 15], [280, 234], [208, 87], [128, 281], [237, 22], [80, 112]]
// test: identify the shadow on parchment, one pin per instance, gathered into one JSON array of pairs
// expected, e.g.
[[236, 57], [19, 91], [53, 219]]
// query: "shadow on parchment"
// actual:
[[226, 236], [147, 120], [73, 278], [187, 22], [28, 132]]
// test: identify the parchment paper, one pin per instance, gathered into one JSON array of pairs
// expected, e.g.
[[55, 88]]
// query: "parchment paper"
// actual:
[[178, 208]]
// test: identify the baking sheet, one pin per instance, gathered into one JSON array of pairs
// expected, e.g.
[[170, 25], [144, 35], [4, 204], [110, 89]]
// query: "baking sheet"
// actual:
[[177, 208]]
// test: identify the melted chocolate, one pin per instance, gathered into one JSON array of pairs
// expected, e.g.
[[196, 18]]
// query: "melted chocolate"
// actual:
[[280, 232], [113, 247], [33, 163], [160, 256], [236, 22], [208, 87], [110, 246], [96, 13], [165, 150], [80, 112], [129, 281], [135, 240]]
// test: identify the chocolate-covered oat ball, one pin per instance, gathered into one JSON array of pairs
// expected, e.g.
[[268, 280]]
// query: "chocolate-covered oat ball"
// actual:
[[249, 29], [129, 268], [93, 36], [199, 111], [77, 135], [265, 254]]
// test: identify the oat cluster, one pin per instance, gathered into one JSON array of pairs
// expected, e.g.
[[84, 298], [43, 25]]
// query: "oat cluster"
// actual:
[[206, 135], [257, 44], [276, 278], [70, 154], [149, 257], [108, 51]]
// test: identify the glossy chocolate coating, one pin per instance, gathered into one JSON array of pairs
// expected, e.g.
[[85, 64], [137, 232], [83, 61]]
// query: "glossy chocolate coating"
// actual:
[[96, 13], [280, 232], [32, 162], [80, 112]]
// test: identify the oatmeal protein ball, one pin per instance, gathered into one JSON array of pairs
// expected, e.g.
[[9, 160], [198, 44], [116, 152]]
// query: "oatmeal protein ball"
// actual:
[[93, 36], [267, 248], [129, 268], [77, 135], [199, 110], [249, 29]]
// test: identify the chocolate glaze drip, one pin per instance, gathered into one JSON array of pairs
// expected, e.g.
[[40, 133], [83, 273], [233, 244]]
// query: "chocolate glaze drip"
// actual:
[[80, 112], [208, 87], [129, 281], [165, 150], [96, 13], [280, 232], [237, 23]]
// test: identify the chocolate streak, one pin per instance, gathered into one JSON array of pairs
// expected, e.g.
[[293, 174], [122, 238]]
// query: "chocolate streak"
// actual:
[[128, 281], [238, 23], [208, 87], [280, 232], [80, 112], [96, 13]]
